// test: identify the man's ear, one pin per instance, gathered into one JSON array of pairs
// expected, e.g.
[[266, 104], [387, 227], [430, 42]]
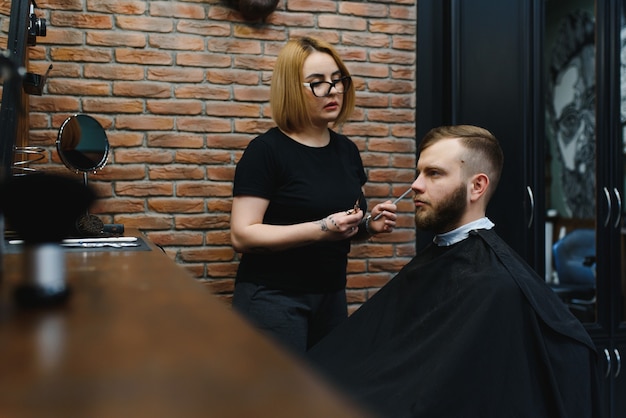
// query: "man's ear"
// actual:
[[478, 186]]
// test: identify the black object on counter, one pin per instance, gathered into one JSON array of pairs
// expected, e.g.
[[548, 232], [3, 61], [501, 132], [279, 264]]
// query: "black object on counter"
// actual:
[[43, 210]]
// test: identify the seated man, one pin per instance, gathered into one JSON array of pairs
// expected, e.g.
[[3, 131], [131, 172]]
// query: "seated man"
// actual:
[[466, 328]]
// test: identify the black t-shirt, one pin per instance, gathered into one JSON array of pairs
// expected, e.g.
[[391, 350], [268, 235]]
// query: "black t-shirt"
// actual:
[[302, 184]]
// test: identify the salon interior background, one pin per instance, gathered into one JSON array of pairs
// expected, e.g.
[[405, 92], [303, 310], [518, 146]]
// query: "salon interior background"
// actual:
[[181, 87]]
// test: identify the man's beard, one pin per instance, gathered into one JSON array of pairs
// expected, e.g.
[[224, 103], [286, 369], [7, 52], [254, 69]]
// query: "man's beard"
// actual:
[[444, 216]]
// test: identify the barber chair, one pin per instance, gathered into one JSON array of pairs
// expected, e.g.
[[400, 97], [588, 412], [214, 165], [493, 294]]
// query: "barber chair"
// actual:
[[574, 258]]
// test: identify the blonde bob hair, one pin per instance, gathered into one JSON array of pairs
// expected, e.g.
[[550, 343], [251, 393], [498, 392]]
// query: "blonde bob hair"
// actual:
[[287, 99]]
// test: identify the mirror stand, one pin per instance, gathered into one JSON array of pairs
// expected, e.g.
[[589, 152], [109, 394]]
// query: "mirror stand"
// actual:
[[83, 146]]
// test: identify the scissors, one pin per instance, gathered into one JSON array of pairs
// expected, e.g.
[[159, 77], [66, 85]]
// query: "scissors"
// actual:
[[355, 209]]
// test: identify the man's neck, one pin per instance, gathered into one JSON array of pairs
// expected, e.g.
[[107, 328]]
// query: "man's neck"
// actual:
[[462, 232]]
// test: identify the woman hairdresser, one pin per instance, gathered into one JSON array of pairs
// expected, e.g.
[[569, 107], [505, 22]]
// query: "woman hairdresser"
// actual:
[[298, 201]]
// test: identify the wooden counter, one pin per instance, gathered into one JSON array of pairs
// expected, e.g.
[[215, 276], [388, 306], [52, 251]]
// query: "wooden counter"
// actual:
[[139, 337]]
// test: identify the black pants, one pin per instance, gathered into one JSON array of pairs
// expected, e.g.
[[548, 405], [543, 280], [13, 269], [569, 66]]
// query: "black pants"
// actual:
[[294, 319]]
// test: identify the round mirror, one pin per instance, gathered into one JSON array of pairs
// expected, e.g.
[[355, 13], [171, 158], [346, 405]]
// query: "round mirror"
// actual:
[[83, 146], [82, 143]]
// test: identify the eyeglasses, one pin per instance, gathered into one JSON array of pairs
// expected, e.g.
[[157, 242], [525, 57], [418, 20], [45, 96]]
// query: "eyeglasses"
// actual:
[[323, 88]]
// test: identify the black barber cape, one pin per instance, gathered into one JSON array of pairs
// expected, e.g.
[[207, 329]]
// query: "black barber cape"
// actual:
[[464, 331]]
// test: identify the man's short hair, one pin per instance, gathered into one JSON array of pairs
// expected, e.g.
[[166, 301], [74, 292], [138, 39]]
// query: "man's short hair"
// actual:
[[486, 155]]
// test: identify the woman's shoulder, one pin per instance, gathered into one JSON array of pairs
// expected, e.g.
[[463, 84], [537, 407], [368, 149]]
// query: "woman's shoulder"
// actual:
[[269, 136], [339, 137], [269, 139], [342, 140]]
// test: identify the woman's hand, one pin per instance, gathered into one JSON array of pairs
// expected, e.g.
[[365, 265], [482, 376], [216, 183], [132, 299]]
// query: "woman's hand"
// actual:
[[383, 218], [342, 225]]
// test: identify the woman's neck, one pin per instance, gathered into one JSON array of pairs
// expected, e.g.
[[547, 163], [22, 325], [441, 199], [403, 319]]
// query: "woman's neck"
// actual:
[[312, 137]]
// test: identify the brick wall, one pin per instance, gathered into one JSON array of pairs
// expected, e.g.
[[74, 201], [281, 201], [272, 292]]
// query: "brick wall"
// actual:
[[181, 87]]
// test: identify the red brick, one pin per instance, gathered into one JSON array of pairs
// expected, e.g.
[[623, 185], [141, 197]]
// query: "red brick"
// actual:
[[372, 100], [221, 204], [370, 70], [122, 172], [196, 270], [175, 140], [186, 75], [5, 9], [202, 222], [254, 63], [144, 24], [217, 238], [221, 270], [172, 205], [406, 43], [179, 42], [206, 28], [234, 46], [174, 107], [233, 76], [366, 129], [365, 281], [355, 297], [80, 20], [125, 139], [145, 221], [197, 59], [141, 89], [133, 56], [176, 238], [203, 124], [233, 109], [225, 253], [61, 36], [145, 123], [203, 157], [176, 9], [393, 28], [221, 173], [202, 92], [78, 87], [389, 175], [224, 286], [136, 7], [391, 115], [113, 72], [118, 205], [116, 105], [54, 104], [403, 12], [312, 6], [173, 172], [80, 54], [221, 13], [139, 189], [364, 9], [202, 189]]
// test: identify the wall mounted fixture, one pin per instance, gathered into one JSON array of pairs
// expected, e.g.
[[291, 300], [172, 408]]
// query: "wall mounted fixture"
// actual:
[[254, 10], [33, 83]]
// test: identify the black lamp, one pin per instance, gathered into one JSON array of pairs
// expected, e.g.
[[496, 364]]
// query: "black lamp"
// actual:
[[43, 209], [256, 9]]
